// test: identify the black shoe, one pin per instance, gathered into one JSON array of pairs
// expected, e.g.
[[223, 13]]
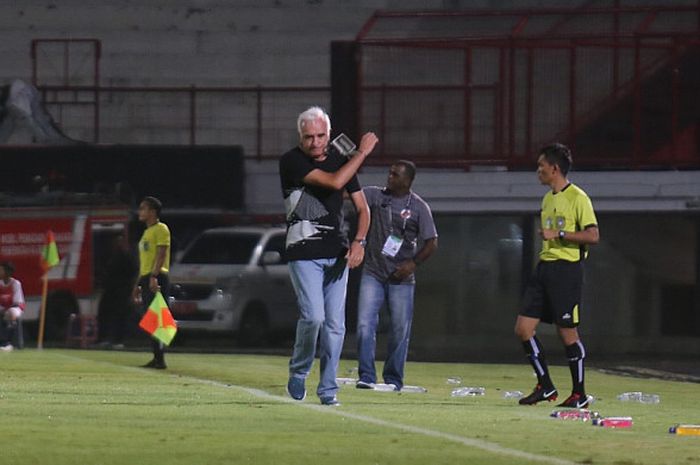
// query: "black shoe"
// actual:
[[575, 400], [538, 395], [158, 365]]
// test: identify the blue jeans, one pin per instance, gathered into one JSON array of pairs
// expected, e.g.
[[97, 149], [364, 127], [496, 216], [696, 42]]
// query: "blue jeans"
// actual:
[[399, 299], [320, 286]]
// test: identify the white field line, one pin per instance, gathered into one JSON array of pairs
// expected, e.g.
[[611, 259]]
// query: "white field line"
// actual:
[[487, 446], [469, 442]]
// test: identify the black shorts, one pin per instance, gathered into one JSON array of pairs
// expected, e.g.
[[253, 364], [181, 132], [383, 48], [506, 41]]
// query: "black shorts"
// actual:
[[553, 294], [146, 294]]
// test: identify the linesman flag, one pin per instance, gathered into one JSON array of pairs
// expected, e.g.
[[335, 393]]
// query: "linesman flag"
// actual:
[[158, 321], [49, 253]]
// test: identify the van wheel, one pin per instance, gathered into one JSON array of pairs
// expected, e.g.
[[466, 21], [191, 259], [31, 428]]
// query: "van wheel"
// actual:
[[254, 330]]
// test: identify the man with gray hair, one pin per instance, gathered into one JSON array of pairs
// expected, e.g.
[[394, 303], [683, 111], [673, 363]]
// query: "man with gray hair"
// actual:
[[313, 181]]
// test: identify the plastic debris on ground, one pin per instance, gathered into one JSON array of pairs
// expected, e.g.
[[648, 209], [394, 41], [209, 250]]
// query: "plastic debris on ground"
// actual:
[[385, 387], [613, 422], [417, 389], [346, 380], [574, 414], [468, 392], [638, 396], [685, 430]]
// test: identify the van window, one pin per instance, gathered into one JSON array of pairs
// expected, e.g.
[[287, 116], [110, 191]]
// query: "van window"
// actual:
[[222, 249]]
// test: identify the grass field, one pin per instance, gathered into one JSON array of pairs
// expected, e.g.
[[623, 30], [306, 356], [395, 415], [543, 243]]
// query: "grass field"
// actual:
[[95, 407]]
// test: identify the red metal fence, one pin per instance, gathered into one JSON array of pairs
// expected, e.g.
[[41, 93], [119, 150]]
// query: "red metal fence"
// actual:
[[619, 84], [490, 87]]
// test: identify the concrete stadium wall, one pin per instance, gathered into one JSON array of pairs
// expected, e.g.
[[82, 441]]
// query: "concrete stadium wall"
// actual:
[[184, 43], [463, 192], [209, 43]]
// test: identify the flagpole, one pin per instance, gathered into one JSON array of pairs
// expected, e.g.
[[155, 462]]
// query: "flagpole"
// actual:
[[42, 313], [49, 258]]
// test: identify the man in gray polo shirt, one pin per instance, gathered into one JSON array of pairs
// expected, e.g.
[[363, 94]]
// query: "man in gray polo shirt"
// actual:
[[402, 235]]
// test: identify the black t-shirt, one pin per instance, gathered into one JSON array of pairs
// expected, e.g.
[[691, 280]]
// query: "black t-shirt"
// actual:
[[314, 213]]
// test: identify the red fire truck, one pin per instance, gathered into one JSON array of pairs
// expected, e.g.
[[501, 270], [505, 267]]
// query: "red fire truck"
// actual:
[[84, 226]]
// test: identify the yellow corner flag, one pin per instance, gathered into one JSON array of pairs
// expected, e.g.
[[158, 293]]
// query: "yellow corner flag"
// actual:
[[49, 253], [158, 321]]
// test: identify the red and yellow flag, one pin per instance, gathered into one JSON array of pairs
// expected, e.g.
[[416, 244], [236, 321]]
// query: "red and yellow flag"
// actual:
[[49, 253], [158, 321]]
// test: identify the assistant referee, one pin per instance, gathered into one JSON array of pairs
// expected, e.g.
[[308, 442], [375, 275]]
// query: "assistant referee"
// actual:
[[154, 265]]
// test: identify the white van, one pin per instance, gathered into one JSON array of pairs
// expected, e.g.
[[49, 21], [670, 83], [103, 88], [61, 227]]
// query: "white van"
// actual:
[[235, 279]]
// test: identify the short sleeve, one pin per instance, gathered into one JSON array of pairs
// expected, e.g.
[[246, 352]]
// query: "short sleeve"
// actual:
[[17, 293], [585, 215], [426, 224], [353, 185], [162, 235], [372, 195], [294, 169]]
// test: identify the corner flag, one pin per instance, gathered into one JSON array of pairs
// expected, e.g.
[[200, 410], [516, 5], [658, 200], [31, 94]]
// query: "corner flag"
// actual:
[[48, 259], [49, 253], [158, 321]]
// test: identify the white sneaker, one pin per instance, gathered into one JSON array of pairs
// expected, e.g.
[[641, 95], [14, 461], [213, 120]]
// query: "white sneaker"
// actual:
[[7, 348]]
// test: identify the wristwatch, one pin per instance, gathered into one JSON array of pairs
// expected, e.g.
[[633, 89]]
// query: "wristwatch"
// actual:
[[562, 234], [363, 242]]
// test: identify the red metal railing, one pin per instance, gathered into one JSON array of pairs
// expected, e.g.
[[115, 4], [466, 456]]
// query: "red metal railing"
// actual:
[[635, 44], [446, 88]]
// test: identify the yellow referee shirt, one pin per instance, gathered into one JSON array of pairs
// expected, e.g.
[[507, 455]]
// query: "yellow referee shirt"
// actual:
[[153, 236], [568, 210]]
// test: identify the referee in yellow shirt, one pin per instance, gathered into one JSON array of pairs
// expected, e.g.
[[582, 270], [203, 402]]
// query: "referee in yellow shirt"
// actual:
[[553, 295], [154, 264]]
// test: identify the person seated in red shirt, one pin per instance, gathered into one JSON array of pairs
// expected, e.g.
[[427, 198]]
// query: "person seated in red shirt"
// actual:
[[11, 303]]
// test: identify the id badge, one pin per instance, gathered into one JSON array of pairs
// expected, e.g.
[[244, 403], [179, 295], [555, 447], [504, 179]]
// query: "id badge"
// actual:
[[392, 245]]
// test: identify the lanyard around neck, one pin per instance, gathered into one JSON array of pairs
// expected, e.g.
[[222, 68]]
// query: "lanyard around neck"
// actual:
[[405, 218]]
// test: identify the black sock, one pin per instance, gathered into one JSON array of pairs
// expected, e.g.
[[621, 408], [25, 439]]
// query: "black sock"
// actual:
[[158, 351], [576, 354], [11, 330], [4, 332], [535, 354]]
